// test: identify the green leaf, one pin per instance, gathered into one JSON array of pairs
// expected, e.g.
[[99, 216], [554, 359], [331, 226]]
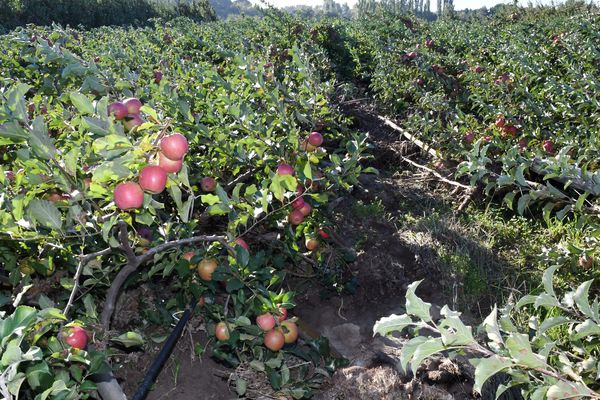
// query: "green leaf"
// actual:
[[458, 333], [39, 375], [491, 327], [519, 347], [568, 390], [82, 103], [551, 323], [39, 140], [15, 322], [210, 199], [393, 323], [13, 132], [408, 350], [240, 386], [242, 321], [586, 328], [414, 305], [424, 350], [130, 339], [547, 280], [487, 367], [581, 298], [45, 213]]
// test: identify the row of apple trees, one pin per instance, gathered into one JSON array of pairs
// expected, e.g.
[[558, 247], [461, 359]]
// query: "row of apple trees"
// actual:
[[197, 157]]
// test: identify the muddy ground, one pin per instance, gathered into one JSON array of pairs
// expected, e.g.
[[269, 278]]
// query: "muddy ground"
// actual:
[[388, 259]]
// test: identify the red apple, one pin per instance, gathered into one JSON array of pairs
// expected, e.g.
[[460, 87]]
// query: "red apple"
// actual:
[[133, 120], [296, 217], [478, 69], [311, 244], [76, 337], [188, 257], [488, 138], [420, 81], [285, 169], [469, 137], [208, 184], [153, 179], [10, 175], [170, 166], [289, 330], [315, 139], [174, 146], [118, 109], [274, 340], [323, 234], [500, 122], [241, 242], [509, 130], [128, 196], [548, 146], [523, 144], [266, 322], [158, 75], [305, 209], [222, 332], [133, 105], [283, 313], [429, 42], [298, 203]]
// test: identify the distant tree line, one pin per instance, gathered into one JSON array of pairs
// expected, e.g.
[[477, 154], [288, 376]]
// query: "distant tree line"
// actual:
[[93, 13]]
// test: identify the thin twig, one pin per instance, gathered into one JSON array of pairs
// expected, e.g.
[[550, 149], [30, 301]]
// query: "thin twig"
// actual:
[[421, 144], [437, 174]]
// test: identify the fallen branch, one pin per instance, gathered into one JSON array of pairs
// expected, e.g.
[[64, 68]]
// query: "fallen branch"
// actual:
[[433, 152], [437, 174]]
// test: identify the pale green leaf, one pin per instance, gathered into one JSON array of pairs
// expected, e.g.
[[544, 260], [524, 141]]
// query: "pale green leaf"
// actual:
[[45, 213], [488, 367], [414, 305], [393, 323]]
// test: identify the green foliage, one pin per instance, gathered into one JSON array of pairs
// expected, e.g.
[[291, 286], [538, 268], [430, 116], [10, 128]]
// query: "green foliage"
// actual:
[[552, 355]]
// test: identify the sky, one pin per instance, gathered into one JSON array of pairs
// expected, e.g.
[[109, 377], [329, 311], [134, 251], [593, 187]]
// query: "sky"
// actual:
[[458, 4]]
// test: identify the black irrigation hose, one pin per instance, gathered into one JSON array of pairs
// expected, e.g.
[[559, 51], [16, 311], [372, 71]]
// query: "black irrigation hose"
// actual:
[[164, 354]]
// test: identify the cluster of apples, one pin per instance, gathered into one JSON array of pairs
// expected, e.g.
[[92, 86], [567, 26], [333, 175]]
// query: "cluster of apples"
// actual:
[[314, 140], [153, 178], [278, 330], [507, 129], [127, 111]]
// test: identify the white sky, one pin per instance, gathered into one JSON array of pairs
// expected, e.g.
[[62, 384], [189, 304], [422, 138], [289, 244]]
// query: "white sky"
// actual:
[[458, 4]]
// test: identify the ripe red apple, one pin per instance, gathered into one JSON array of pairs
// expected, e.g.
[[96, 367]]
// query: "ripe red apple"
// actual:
[[500, 122], [158, 75], [241, 242], [289, 330], [315, 139], [118, 109], [298, 203], [509, 130], [31, 107], [10, 175], [311, 244], [266, 322], [188, 257], [420, 82], [76, 337], [296, 217], [548, 146], [412, 55], [522, 144], [285, 169], [323, 234], [208, 184], [128, 196], [469, 137], [222, 332], [206, 268], [132, 120], [488, 138], [153, 179], [429, 42], [133, 105], [306, 209], [174, 146], [283, 313], [478, 69], [274, 340], [170, 166]]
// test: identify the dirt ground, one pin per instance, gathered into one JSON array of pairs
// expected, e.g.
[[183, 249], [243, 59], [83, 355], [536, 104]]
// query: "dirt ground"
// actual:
[[386, 263]]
